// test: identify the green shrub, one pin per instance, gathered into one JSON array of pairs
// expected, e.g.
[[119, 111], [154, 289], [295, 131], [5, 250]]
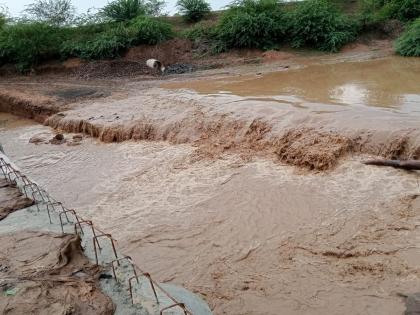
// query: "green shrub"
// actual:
[[108, 41], [149, 31], [373, 11], [124, 10], [408, 44], [27, 44], [319, 24], [403, 10], [252, 23], [193, 10], [199, 31], [103, 45]]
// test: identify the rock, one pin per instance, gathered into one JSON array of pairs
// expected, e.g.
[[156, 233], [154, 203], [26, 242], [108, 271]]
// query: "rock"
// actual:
[[36, 139], [77, 137], [58, 139], [40, 138], [179, 68]]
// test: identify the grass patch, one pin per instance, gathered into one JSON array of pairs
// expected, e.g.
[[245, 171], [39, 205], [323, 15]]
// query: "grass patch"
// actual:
[[408, 44]]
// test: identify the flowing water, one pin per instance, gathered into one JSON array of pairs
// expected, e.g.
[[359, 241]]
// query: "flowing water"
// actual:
[[252, 237], [389, 83]]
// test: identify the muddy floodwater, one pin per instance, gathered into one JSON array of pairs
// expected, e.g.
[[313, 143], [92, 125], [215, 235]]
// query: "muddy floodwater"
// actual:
[[392, 83], [251, 233]]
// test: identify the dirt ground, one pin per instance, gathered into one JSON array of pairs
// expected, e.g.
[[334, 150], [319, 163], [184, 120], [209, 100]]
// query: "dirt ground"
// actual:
[[262, 206]]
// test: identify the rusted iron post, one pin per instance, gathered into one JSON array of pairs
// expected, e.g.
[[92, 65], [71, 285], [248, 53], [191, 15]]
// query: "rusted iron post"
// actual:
[[148, 276], [65, 213], [130, 261], [53, 205], [112, 243], [131, 287]]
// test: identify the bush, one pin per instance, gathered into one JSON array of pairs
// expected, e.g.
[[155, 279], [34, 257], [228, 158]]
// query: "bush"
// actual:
[[318, 23], [27, 44], [252, 23], [193, 10], [103, 45], [373, 11], [199, 32], [109, 41], [408, 44], [403, 10], [149, 31], [124, 10]]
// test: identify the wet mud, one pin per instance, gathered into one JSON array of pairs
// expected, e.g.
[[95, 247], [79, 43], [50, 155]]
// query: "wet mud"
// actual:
[[47, 273], [11, 199]]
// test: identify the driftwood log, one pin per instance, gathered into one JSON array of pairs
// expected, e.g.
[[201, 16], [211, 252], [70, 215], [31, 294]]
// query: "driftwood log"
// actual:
[[406, 165]]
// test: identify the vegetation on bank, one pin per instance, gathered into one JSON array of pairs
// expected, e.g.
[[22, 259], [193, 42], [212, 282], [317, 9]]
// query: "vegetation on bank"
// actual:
[[408, 44], [51, 30]]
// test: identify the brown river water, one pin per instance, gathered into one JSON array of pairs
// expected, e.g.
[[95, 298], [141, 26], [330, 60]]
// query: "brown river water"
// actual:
[[392, 83], [252, 236]]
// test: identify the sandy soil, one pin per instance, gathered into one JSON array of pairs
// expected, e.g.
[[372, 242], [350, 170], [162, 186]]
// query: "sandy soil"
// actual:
[[210, 201]]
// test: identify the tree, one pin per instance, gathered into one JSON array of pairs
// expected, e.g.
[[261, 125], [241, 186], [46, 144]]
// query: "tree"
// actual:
[[193, 10], [124, 10], [53, 12], [4, 13], [155, 7]]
